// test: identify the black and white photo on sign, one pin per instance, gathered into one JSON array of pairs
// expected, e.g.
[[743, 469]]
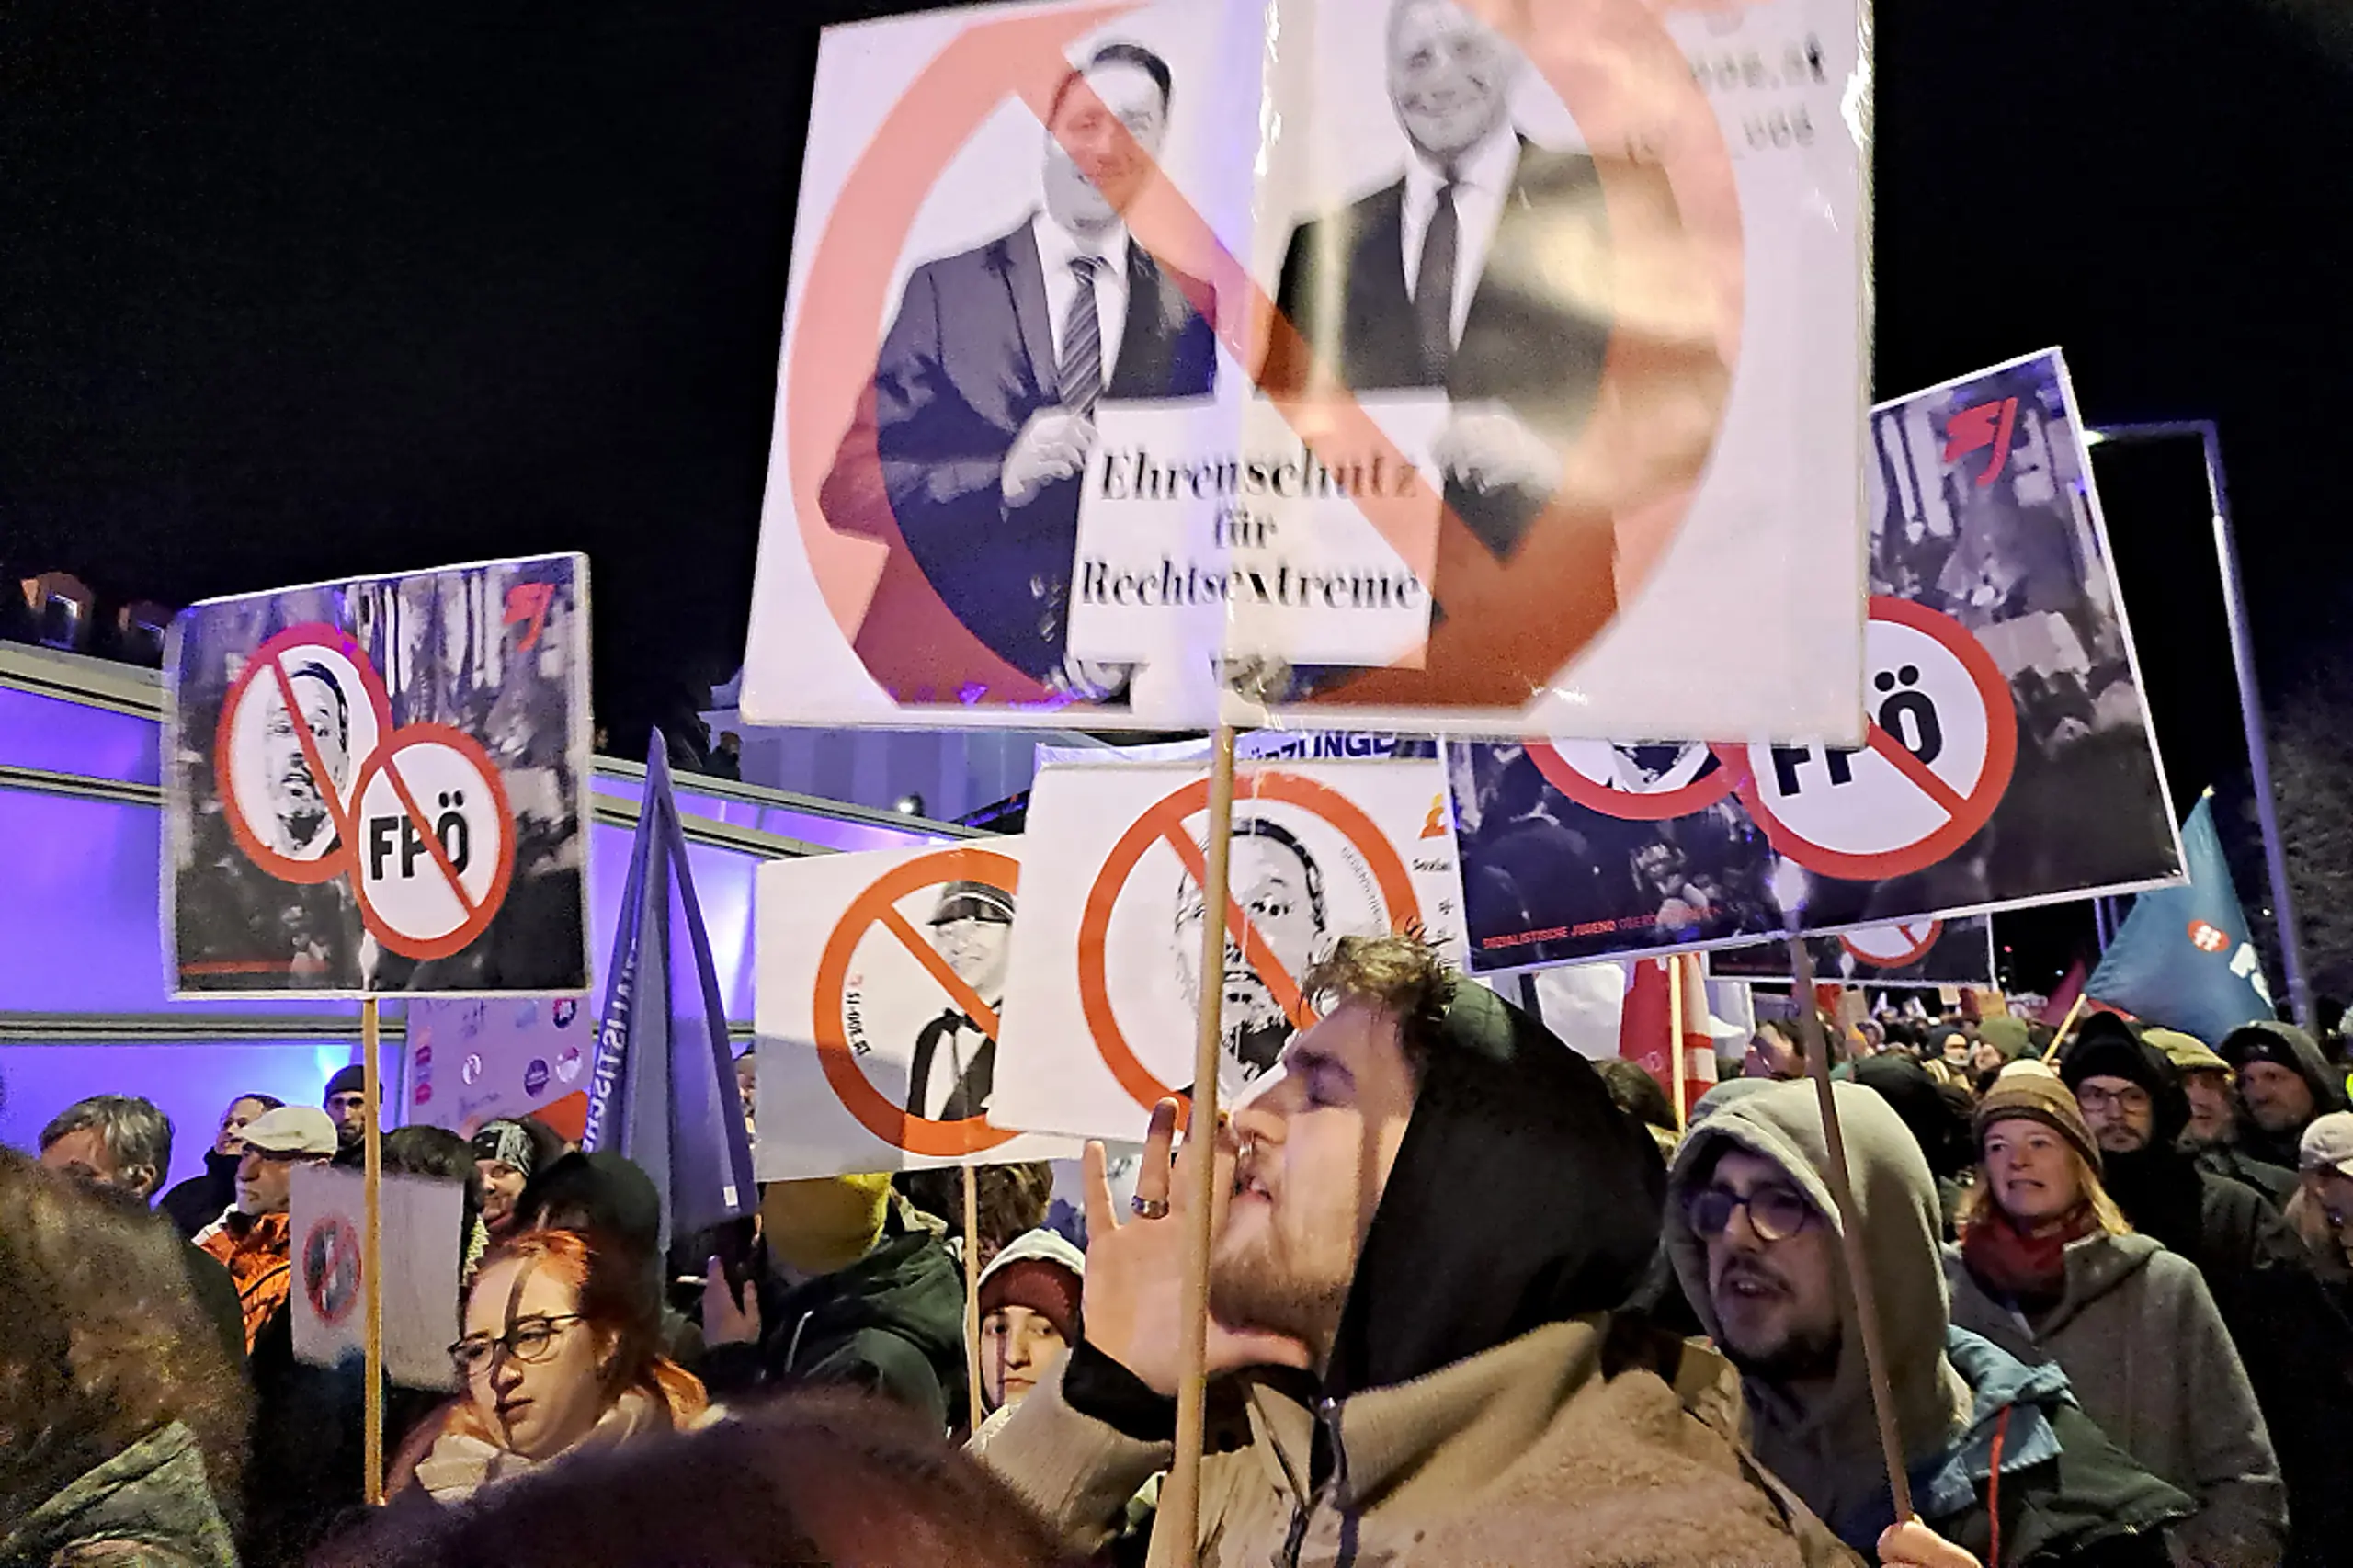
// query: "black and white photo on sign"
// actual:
[[1277, 883], [954, 1059], [270, 771]]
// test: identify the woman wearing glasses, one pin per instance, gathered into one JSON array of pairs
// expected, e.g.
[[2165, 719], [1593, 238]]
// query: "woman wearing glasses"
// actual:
[[562, 1352], [2047, 1270]]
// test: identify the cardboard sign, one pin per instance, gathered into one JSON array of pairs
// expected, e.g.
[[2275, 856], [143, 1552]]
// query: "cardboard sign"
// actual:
[[1127, 344], [421, 1246], [1105, 983], [355, 770], [2008, 759], [881, 985]]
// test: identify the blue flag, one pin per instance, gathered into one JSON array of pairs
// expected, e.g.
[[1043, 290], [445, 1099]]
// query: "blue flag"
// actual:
[[2183, 959], [663, 1093]]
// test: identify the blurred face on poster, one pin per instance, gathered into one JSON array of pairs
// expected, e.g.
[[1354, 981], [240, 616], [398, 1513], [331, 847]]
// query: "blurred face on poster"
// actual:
[[322, 711], [1106, 130], [1449, 77], [1278, 887]]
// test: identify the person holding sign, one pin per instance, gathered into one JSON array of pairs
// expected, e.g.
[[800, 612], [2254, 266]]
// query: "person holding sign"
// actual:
[[2005, 1469], [1427, 1371], [971, 443], [955, 1058]]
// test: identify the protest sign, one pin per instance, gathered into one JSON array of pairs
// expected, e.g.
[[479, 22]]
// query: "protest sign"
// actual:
[[478, 1058], [882, 983], [381, 785], [1105, 984], [1121, 365], [423, 1247], [2008, 759], [1910, 955]]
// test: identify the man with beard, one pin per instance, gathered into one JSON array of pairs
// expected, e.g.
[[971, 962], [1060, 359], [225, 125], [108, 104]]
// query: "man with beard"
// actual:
[[955, 1059], [2291, 1337], [1280, 890], [1411, 1368], [2004, 1467], [2284, 1083]]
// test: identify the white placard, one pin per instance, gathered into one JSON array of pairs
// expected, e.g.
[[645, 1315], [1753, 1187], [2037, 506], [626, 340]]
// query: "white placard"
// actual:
[[420, 1220]]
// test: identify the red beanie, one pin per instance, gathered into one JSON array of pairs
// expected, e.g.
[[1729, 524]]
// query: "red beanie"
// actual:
[[1045, 1287]]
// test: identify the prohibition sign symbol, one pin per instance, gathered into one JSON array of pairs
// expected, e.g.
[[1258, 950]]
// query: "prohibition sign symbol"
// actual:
[[331, 1265], [1934, 763], [1892, 947], [1626, 81], [1684, 789], [437, 844], [344, 695], [879, 905], [1163, 823]]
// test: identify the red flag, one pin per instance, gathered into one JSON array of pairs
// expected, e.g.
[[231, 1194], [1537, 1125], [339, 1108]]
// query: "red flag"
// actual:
[[1643, 1028]]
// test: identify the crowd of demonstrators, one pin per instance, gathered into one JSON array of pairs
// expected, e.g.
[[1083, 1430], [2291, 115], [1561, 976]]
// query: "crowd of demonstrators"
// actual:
[[1475, 1300]]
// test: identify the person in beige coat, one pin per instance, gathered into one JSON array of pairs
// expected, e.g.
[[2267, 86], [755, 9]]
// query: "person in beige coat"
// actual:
[[1427, 1219]]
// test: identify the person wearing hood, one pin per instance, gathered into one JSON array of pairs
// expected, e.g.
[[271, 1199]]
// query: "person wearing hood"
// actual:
[[1028, 1301], [850, 1284], [2284, 1083], [199, 1200], [2003, 1463], [122, 1418], [1425, 1219], [1936, 1118], [2050, 1270]]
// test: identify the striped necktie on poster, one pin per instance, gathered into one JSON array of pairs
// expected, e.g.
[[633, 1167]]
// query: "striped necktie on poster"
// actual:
[[1082, 366]]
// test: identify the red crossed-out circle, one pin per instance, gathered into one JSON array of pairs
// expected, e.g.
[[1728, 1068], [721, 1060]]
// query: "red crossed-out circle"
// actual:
[[1912, 931], [1164, 821], [877, 905], [332, 1239], [1627, 82], [478, 916], [270, 660], [1965, 813], [1635, 806]]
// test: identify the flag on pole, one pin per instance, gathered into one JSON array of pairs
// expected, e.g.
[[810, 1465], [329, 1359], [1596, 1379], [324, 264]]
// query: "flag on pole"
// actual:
[[1649, 1019], [2183, 958], [664, 1093]]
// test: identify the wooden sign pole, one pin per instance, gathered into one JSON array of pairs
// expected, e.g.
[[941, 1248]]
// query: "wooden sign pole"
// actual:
[[371, 1259], [973, 1390], [1176, 1535], [1851, 1227], [1675, 1039]]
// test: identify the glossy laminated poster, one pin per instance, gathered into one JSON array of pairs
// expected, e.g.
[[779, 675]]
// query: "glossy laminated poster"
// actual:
[[2009, 759], [1325, 364], [380, 786]]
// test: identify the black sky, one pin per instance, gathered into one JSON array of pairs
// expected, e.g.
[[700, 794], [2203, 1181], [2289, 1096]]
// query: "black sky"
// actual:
[[290, 292]]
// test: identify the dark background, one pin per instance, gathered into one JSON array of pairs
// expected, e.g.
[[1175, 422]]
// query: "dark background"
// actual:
[[292, 292]]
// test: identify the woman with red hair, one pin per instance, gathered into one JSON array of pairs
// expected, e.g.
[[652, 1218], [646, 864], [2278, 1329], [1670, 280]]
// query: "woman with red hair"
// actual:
[[562, 1351]]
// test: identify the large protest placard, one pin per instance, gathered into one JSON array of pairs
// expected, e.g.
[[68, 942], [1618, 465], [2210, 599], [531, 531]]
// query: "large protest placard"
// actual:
[[423, 1249], [881, 982], [1105, 983], [1923, 955], [1393, 363], [478, 1058], [2009, 759], [381, 785]]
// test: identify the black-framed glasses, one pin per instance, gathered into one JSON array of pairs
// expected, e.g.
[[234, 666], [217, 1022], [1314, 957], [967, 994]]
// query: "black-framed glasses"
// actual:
[[529, 1340], [1774, 1213], [2131, 1099]]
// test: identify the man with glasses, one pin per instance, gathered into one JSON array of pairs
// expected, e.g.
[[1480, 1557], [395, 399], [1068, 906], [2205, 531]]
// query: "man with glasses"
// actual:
[[2005, 1469]]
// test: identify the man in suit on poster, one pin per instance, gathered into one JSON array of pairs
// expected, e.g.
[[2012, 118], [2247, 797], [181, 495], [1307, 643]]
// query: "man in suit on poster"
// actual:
[[1483, 271], [983, 409]]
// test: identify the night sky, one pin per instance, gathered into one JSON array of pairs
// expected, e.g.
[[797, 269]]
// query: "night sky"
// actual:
[[290, 292]]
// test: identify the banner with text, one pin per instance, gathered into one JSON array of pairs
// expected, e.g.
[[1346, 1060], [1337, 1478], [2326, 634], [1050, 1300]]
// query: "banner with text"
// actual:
[[2009, 759], [1105, 983], [1437, 369]]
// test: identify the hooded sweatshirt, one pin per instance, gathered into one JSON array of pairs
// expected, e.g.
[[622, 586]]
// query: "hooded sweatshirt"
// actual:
[[1482, 1403], [2328, 1090], [2066, 1487], [1031, 1250], [2147, 1353]]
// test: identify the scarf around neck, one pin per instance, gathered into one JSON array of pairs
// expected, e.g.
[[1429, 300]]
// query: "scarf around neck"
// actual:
[[2028, 1271]]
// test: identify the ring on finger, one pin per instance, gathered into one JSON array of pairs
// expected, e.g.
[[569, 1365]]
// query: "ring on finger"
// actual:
[[1149, 1207]]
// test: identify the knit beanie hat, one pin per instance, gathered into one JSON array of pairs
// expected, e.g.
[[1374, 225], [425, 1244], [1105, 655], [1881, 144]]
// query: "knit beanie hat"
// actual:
[[1034, 1274], [2036, 1096], [2106, 1047], [824, 1225], [346, 1081]]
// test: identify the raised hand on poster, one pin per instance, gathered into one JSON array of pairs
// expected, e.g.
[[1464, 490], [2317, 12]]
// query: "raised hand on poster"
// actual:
[[1134, 1303]]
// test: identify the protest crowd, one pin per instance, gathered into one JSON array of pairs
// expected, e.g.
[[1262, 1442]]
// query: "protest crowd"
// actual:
[[1474, 1298]]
